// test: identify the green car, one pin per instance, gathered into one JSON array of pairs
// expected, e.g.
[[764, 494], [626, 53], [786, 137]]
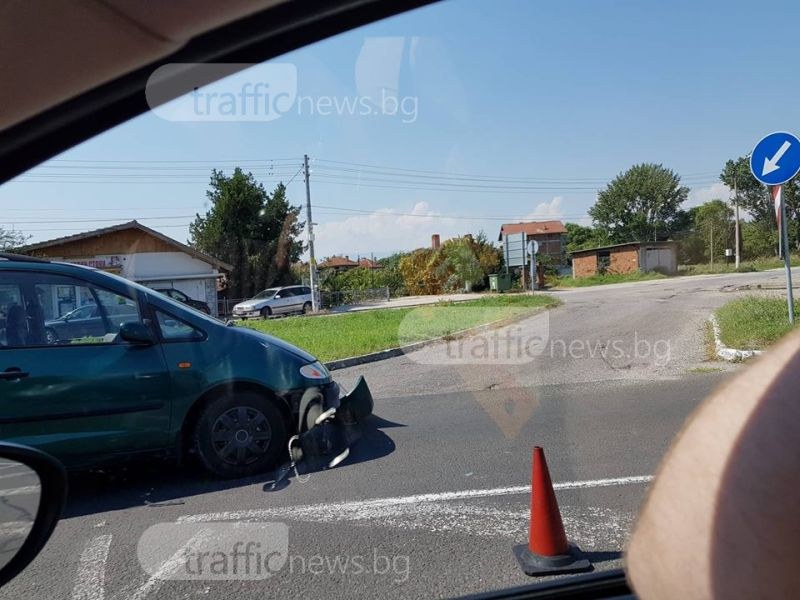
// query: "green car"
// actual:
[[150, 375]]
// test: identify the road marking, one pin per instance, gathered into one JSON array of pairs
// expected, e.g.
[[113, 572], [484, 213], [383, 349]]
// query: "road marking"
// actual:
[[172, 564], [336, 511], [90, 583], [20, 491]]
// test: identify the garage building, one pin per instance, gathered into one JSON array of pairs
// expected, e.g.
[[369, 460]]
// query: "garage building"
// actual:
[[137, 253], [626, 258]]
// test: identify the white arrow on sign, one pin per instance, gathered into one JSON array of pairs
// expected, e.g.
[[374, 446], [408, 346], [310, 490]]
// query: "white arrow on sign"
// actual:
[[771, 164]]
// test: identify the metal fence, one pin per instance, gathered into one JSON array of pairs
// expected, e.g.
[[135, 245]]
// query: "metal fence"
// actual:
[[329, 299]]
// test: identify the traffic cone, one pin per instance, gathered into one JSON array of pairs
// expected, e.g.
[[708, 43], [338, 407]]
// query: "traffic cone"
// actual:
[[547, 551]]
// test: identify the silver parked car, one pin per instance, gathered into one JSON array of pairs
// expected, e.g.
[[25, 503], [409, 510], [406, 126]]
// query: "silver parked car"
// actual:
[[275, 301]]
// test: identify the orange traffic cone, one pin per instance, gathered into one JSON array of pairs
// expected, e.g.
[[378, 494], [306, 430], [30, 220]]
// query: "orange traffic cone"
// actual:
[[547, 551]]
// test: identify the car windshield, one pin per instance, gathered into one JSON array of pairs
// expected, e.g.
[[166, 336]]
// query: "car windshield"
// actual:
[[505, 226], [265, 294]]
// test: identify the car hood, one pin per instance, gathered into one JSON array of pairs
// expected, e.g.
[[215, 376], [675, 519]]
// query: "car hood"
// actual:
[[277, 343], [251, 304]]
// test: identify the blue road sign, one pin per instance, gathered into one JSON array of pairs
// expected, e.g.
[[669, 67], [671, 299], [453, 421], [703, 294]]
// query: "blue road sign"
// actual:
[[776, 158]]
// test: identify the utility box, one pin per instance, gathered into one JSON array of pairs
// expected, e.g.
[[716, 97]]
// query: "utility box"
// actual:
[[500, 282]]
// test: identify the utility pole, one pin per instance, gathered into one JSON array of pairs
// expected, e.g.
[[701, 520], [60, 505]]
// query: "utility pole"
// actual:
[[712, 244], [312, 263], [736, 242]]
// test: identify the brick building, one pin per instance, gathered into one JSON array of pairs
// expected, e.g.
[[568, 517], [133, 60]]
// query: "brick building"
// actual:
[[626, 258], [549, 235]]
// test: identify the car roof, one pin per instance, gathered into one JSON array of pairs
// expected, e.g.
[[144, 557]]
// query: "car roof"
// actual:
[[54, 101]]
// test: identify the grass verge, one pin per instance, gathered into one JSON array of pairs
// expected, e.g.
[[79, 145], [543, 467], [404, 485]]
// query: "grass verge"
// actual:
[[750, 266], [331, 337], [569, 282], [754, 322]]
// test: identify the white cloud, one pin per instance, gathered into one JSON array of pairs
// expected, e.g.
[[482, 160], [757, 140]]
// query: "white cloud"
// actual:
[[701, 195], [545, 210], [386, 230]]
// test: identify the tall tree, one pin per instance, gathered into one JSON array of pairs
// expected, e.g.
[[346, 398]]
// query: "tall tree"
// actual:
[[755, 200], [11, 239], [639, 205], [254, 231], [753, 196], [581, 237], [714, 223]]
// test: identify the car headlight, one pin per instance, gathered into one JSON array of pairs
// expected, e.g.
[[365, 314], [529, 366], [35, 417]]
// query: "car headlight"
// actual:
[[315, 370]]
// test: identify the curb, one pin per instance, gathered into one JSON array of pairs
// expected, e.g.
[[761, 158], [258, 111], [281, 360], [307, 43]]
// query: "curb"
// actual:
[[726, 353], [363, 359]]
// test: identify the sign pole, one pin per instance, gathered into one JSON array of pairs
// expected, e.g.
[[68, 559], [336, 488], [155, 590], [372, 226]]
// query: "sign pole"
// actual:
[[787, 255], [774, 161]]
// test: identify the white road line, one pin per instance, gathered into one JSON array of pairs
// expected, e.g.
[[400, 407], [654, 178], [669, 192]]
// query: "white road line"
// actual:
[[172, 564], [20, 491], [382, 503], [90, 583]]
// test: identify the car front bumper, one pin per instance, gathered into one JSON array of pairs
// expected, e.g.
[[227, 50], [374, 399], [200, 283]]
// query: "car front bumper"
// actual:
[[246, 313]]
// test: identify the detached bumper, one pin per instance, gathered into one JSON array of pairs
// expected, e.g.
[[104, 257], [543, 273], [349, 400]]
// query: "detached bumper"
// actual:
[[330, 434], [356, 405]]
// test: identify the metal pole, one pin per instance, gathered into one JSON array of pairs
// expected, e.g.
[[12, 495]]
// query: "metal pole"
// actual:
[[312, 263], [737, 242], [787, 258]]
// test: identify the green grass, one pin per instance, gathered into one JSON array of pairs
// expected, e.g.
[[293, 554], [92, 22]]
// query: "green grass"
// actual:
[[704, 370], [754, 322], [605, 279], [749, 266], [331, 337]]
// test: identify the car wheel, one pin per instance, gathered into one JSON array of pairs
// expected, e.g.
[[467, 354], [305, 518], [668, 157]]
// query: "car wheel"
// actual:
[[306, 308], [266, 312], [50, 336], [240, 435]]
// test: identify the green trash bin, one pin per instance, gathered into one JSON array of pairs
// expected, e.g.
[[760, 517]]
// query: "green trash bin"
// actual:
[[499, 282]]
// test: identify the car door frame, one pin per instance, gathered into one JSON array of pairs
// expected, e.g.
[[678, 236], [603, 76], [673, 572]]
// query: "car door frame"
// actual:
[[145, 409]]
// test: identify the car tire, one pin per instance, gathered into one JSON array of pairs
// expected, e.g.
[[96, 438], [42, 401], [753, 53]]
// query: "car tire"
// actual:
[[266, 312], [306, 308], [50, 336], [240, 435]]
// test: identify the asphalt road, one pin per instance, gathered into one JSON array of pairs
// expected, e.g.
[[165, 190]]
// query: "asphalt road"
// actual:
[[435, 495]]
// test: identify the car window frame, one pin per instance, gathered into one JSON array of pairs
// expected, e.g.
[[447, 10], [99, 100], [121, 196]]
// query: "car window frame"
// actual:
[[162, 339], [28, 273]]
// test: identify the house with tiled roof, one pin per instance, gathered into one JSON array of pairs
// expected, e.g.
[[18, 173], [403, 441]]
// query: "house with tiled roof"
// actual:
[[549, 234]]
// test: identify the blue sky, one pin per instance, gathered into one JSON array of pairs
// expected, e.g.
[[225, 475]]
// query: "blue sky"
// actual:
[[537, 104]]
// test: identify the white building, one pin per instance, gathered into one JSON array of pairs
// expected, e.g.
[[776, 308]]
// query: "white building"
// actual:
[[140, 254]]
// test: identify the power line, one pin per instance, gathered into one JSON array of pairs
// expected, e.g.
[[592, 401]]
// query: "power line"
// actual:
[[162, 161], [515, 219], [443, 173], [39, 222]]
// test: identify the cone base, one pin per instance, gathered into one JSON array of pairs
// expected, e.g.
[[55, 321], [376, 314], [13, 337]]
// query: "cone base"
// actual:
[[536, 564]]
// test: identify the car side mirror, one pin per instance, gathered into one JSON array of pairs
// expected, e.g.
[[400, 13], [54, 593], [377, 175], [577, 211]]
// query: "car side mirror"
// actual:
[[32, 494], [136, 333], [277, 296]]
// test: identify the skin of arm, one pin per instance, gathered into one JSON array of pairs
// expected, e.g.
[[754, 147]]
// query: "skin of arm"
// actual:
[[722, 518]]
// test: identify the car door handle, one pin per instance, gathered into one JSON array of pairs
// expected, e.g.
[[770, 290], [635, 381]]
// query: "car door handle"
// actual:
[[145, 376], [13, 374]]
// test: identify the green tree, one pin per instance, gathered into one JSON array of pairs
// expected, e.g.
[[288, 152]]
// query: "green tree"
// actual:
[[714, 223], [753, 196], [758, 240], [10, 239], [254, 231], [461, 265], [639, 205], [580, 237]]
